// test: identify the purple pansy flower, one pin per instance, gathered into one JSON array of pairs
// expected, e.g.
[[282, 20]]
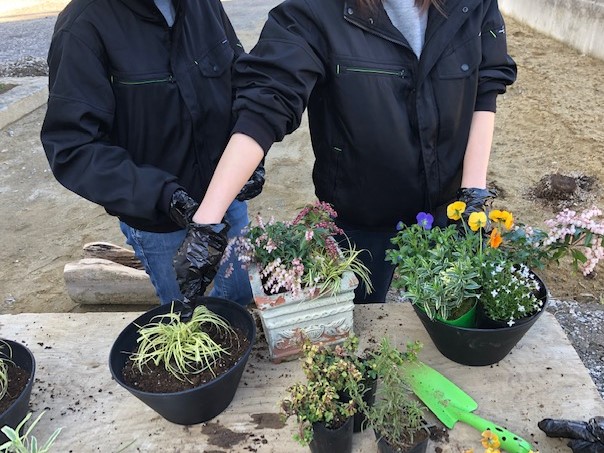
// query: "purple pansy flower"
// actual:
[[425, 220]]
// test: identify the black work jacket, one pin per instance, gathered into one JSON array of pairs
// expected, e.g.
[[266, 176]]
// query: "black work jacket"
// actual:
[[389, 131], [138, 109]]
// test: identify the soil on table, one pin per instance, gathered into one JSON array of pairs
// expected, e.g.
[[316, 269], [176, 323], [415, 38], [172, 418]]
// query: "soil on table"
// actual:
[[156, 379], [17, 381]]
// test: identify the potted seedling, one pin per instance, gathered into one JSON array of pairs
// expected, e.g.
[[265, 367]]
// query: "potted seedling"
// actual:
[[26, 442], [324, 406], [396, 416], [17, 370], [186, 370]]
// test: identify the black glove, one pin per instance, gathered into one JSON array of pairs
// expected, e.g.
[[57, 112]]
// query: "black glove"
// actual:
[[253, 187], [182, 208], [196, 261], [476, 200], [586, 437]]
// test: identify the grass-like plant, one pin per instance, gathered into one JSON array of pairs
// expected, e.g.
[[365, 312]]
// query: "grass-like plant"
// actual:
[[183, 348], [4, 361], [26, 443]]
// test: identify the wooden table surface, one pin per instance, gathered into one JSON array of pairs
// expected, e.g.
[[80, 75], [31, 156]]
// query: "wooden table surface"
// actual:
[[542, 377]]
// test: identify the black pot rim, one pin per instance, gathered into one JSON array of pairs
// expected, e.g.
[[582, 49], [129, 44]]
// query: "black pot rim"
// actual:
[[117, 374]]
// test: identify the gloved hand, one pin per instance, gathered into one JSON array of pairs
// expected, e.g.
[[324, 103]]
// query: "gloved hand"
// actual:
[[254, 185], [476, 199], [182, 208], [196, 261], [586, 437]]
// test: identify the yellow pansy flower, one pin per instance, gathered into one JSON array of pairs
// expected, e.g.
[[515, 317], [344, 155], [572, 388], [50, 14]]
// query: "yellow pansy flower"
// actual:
[[477, 221], [503, 217], [490, 440], [455, 210]]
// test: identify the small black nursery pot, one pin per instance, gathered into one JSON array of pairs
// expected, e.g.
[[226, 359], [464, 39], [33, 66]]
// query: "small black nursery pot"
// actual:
[[327, 440]]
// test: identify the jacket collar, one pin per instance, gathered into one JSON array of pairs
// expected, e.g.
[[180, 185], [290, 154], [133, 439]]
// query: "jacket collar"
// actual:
[[377, 21]]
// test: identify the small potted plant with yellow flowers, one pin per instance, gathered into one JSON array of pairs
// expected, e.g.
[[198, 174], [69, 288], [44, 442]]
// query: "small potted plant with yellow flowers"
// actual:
[[473, 282]]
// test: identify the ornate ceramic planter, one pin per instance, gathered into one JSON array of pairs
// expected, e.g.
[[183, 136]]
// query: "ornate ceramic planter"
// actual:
[[287, 319]]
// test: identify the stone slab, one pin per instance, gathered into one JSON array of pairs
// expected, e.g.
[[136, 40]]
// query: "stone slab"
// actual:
[[28, 94], [542, 377]]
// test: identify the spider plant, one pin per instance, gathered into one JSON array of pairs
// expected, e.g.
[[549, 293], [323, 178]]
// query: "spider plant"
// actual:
[[183, 348], [26, 443]]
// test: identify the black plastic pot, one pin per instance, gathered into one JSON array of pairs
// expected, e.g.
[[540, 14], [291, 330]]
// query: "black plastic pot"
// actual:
[[384, 447], [199, 404], [24, 359], [478, 346], [327, 440]]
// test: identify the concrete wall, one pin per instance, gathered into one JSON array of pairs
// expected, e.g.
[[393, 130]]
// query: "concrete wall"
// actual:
[[578, 23]]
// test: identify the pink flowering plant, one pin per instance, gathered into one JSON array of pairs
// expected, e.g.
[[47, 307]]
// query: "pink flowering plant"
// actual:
[[303, 253], [485, 259]]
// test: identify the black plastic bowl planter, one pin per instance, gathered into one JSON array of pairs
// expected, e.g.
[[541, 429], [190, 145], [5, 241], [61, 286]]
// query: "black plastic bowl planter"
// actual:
[[24, 359], [198, 404], [478, 346]]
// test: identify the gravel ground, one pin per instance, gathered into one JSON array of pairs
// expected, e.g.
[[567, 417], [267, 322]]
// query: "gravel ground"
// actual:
[[23, 53]]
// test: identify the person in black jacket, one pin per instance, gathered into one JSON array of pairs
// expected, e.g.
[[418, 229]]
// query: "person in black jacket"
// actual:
[[401, 98], [139, 113]]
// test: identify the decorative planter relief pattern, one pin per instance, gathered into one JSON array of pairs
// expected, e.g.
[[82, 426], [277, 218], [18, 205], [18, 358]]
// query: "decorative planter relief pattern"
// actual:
[[288, 319]]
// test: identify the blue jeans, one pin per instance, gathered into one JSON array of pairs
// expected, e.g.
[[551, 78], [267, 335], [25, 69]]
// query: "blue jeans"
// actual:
[[156, 251], [374, 245]]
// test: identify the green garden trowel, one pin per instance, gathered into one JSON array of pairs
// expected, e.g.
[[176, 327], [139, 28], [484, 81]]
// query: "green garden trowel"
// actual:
[[451, 404]]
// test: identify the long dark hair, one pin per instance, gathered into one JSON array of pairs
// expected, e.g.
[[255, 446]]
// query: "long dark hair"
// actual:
[[424, 4]]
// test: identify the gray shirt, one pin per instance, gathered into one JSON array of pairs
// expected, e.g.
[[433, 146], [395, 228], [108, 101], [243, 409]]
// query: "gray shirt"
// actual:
[[410, 20], [167, 9]]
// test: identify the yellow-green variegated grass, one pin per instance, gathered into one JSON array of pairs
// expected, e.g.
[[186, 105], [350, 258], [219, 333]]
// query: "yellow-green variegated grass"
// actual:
[[4, 368], [183, 348]]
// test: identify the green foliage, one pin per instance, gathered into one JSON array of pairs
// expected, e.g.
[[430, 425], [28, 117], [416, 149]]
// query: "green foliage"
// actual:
[[395, 414], [333, 388], [182, 347], [438, 269], [302, 253], [26, 443]]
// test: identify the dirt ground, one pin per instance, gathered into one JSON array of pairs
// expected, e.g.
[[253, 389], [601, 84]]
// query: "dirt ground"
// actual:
[[549, 122]]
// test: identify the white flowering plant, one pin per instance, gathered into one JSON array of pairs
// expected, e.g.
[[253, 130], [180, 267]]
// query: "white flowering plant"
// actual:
[[488, 260], [297, 254]]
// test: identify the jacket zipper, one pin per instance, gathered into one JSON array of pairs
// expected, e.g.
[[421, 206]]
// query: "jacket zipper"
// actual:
[[340, 69], [142, 82]]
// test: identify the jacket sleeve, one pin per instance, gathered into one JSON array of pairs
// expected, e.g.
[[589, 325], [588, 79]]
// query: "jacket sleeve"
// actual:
[[497, 69], [76, 130], [275, 80]]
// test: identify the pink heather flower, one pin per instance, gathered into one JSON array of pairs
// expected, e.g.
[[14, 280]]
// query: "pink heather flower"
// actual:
[[309, 234]]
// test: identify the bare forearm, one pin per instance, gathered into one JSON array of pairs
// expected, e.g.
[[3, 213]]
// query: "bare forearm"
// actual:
[[478, 151], [241, 157]]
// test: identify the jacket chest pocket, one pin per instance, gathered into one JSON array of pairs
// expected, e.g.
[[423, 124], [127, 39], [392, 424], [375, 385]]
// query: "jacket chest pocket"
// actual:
[[216, 61], [365, 70], [462, 60]]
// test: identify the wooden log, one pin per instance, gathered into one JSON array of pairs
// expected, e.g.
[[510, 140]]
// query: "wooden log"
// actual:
[[100, 281], [112, 252]]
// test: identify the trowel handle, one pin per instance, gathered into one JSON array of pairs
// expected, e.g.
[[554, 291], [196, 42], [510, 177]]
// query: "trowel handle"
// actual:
[[509, 441]]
